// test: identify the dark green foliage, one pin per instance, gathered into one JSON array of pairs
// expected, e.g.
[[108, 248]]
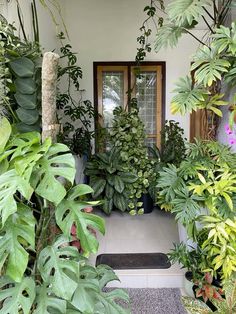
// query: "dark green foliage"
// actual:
[[172, 143], [110, 180], [21, 96], [79, 113]]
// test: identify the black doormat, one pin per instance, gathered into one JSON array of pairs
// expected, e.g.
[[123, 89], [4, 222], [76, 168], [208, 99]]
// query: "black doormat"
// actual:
[[134, 261]]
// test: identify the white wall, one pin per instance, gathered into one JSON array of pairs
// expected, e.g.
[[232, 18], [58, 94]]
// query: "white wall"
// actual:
[[106, 30], [47, 28]]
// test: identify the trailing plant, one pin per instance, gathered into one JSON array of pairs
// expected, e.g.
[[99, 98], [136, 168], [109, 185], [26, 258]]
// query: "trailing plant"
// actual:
[[110, 180], [206, 179], [172, 143], [128, 135], [40, 273], [21, 77], [75, 113], [223, 305], [213, 63]]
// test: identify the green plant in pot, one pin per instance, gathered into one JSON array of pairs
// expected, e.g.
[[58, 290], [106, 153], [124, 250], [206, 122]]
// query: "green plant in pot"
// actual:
[[128, 135], [201, 194], [41, 273], [110, 180]]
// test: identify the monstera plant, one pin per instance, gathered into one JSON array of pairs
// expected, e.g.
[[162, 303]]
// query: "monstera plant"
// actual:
[[42, 273]]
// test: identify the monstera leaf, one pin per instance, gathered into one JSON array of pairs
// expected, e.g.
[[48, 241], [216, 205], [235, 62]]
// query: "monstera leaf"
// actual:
[[46, 301], [16, 296], [49, 168], [167, 36], [10, 183], [68, 213], [184, 12], [5, 131], [18, 231], [209, 66], [57, 264]]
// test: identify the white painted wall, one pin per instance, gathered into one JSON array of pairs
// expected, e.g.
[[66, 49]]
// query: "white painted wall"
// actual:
[[106, 30], [47, 28]]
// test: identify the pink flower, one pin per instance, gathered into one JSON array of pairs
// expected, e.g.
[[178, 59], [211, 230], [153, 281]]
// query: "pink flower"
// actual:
[[228, 129], [232, 140]]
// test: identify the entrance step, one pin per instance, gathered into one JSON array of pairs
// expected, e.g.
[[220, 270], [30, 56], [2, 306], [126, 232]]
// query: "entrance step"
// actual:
[[172, 277]]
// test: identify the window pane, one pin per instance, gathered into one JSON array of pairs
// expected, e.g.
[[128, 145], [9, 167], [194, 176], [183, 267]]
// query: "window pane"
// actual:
[[112, 94], [146, 93]]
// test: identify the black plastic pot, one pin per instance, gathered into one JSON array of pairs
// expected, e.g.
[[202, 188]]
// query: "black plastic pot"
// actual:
[[147, 203]]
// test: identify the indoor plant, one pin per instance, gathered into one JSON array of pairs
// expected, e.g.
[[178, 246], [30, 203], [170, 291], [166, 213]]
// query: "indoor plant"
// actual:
[[128, 135], [110, 180], [40, 273]]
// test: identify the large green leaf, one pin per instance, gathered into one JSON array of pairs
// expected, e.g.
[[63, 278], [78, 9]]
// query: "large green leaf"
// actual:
[[167, 36], [10, 182], [128, 177], [188, 97], [49, 168], [108, 303], [225, 39], [68, 213], [25, 86], [98, 186], [118, 184], [23, 67], [183, 12], [209, 66], [46, 301], [55, 263], [26, 101], [120, 201], [27, 116], [5, 132], [17, 233], [16, 296]]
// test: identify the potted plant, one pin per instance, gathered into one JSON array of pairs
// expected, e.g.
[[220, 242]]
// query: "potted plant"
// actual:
[[110, 180], [128, 135]]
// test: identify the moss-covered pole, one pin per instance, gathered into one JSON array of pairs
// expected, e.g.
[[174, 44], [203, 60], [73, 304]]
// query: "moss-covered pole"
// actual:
[[50, 127]]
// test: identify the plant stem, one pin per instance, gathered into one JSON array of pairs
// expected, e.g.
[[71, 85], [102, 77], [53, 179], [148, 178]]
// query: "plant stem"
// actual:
[[208, 25], [209, 14], [195, 37]]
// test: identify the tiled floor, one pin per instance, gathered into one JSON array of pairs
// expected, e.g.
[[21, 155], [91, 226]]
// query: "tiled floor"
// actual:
[[155, 232]]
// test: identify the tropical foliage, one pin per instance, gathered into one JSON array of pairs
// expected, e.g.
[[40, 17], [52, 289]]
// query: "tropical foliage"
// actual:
[[128, 135], [223, 305], [20, 78], [42, 273], [205, 179], [213, 63], [109, 180]]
